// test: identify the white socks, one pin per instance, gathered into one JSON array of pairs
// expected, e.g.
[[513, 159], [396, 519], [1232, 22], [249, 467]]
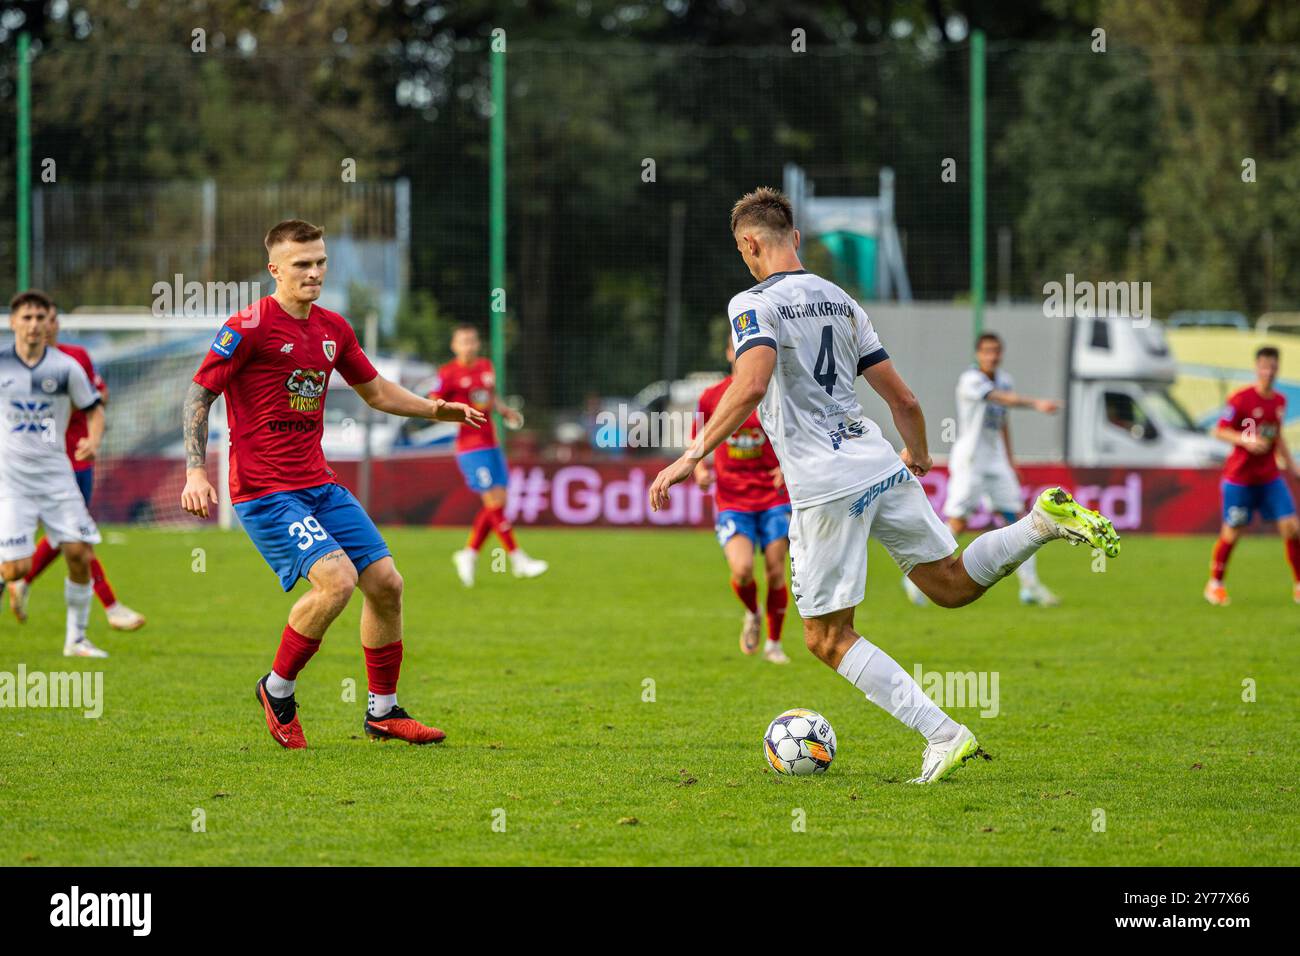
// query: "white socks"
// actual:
[[380, 704], [277, 686], [888, 686], [1028, 572], [995, 554], [77, 597]]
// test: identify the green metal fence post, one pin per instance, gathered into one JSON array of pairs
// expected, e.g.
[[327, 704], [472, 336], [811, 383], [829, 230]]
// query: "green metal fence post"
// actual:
[[497, 218], [977, 179], [24, 184]]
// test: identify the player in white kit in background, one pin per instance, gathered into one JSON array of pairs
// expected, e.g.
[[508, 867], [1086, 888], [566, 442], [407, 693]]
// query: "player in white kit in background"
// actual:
[[39, 386], [980, 468], [800, 343]]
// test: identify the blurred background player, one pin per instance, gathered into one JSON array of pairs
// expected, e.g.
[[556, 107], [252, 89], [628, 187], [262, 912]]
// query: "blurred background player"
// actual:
[[39, 386], [120, 617], [981, 467], [273, 362], [752, 510], [1252, 475], [470, 379]]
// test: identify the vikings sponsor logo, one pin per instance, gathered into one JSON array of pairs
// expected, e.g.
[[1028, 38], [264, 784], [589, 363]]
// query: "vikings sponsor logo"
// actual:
[[306, 387]]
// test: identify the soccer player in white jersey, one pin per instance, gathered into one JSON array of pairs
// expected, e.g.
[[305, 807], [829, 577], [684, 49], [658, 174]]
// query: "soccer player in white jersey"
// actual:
[[980, 468], [39, 387], [800, 344]]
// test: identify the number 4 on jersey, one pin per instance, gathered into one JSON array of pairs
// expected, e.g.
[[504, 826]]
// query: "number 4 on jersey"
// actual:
[[824, 370]]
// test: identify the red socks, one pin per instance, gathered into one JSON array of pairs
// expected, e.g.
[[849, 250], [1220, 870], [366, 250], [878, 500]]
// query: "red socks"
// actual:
[[748, 594], [383, 664], [42, 559], [482, 525], [492, 519], [1219, 562], [103, 590], [1293, 557], [294, 653], [45, 556], [776, 604], [501, 525]]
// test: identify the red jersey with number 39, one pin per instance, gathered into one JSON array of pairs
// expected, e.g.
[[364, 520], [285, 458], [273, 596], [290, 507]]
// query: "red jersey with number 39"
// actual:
[[274, 371], [743, 463], [1248, 411], [472, 384]]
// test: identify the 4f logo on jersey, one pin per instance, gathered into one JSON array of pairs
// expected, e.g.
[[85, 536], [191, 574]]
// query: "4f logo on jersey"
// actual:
[[845, 432], [306, 386], [226, 342], [330, 349], [745, 324]]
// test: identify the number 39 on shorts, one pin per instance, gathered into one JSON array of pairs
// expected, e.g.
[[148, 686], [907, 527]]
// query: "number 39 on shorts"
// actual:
[[307, 531]]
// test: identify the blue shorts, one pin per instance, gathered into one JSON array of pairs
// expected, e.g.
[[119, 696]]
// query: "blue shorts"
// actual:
[[484, 468], [1272, 500], [86, 482], [761, 527], [295, 529]]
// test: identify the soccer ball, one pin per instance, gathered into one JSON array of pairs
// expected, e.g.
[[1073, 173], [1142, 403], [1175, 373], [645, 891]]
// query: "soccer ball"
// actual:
[[799, 742]]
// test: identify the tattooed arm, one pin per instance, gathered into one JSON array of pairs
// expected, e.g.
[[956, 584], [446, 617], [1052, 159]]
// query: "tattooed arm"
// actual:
[[198, 490]]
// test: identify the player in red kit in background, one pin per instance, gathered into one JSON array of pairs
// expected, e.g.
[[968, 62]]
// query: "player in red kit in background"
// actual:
[[273, 362], [1252, 476], [752, 510], [470, 379], [120, 617]]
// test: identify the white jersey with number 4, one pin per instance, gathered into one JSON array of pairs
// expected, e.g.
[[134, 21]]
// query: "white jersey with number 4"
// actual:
[[823, 340]]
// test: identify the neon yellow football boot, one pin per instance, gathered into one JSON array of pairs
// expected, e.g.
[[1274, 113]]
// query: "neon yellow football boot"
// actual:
[[1057, 513]]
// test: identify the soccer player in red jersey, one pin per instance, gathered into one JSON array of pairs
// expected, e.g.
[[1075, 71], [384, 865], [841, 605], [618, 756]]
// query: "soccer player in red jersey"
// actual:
[[471, 380], [273, 362], [752, 510], [120, 617], [1252, 476]]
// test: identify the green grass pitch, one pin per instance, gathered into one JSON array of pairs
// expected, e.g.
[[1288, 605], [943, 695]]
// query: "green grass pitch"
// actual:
[[1124, 707]]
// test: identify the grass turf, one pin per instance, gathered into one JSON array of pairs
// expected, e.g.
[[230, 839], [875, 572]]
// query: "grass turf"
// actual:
[[1125, 702]]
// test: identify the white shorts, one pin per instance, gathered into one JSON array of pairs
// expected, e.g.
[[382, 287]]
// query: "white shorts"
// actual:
[[63, 514], [828, 542], [970, 485]]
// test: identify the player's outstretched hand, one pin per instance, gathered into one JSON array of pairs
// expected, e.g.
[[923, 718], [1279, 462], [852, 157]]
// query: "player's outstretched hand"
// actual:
[[198, 493], [1048, 406], [674, 474], [916, 466], [457, 412], [703, 475]]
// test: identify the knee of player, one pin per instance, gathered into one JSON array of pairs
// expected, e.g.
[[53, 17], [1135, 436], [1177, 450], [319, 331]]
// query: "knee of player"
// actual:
[[388, 589], [776, 578], [339, 583], [743, 576], [820, 638]]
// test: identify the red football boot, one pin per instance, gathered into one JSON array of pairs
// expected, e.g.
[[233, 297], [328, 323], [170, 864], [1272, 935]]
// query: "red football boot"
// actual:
[[281, 718], [399, 725]]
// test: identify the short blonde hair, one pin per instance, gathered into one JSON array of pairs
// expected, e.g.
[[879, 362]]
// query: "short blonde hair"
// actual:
[[766, 208]]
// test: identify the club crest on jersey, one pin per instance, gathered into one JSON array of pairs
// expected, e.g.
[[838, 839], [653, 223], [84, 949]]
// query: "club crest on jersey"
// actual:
[[226, 342], [330, 348], [745, 324], [306, 386]]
